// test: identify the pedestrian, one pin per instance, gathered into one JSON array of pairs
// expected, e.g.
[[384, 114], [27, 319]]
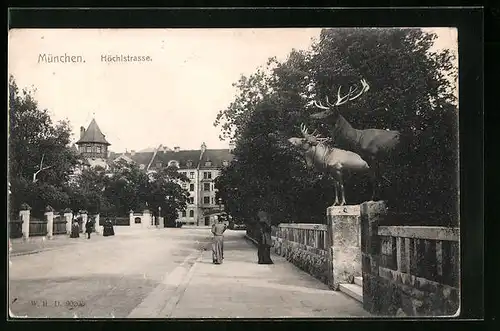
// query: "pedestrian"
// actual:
[[218, 242], [75, 230], [88, 228], [108, 228], [264, 239]]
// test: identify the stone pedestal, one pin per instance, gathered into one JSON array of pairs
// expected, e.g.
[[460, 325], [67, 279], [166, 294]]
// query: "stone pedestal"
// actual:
[[131, 218], [371, 213], [344, 230], [160, 223], [25, 217], [49, 216], [68, 217]]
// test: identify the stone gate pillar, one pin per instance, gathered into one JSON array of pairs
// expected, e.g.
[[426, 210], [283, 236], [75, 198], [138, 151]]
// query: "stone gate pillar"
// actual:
[[131, 217], [97, 227], [344, 232], [84, 216], [68, 217], [146, 218], [49, 216], [371, 213], [24, 214]]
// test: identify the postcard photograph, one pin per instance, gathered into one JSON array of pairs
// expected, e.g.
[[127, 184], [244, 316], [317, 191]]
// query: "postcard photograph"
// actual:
[[233, 173]]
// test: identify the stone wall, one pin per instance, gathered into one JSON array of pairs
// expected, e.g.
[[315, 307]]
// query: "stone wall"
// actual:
[[305, 246], [408, 270]]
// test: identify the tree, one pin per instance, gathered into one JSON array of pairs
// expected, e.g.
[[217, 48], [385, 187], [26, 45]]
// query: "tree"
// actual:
[[410, 92], [166, 193], [40, 160]]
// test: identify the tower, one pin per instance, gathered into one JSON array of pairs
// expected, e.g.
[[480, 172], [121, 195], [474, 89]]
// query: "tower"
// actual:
[[93, 144]]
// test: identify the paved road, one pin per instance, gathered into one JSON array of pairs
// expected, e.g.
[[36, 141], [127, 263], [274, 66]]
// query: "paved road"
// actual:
[[100, 277], [159, 273]]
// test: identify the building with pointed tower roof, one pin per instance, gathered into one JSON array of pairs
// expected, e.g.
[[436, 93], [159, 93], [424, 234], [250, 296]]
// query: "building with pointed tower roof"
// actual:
[[93, 145]]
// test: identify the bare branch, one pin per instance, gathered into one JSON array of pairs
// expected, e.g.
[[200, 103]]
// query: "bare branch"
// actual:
[[40, 169]]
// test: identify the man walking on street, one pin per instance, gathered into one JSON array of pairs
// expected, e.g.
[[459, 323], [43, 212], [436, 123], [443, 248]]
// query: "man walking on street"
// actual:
[[88, 228]]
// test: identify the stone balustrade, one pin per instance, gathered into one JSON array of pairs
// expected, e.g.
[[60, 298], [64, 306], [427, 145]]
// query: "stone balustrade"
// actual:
[[408, 270]]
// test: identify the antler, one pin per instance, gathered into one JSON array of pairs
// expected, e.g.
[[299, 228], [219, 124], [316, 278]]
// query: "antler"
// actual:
[[314, 137], [349, 96], [343, 99]]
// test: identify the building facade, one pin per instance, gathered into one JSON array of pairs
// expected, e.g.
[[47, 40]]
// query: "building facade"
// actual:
[[200, 166]]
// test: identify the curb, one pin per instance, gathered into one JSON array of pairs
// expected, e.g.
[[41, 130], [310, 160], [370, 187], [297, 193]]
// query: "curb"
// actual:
[[34, 252]]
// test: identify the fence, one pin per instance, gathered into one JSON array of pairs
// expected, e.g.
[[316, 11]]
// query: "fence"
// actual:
[[121, 221], [59, 225], [15, 229], [38, 227]]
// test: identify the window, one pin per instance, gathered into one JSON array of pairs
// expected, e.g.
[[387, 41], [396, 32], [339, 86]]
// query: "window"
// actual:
[[183, 213], [206, 187], [207, 175], [191, 187], [191, 175], [89, 149], [225, 163], [213, 201], [191, 213], [98, 149], [208, 163], [189, 163], [191, 200], [206, 200]]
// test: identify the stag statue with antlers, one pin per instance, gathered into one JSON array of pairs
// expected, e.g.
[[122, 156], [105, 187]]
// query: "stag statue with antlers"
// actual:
[[330, 160], [372, 144]]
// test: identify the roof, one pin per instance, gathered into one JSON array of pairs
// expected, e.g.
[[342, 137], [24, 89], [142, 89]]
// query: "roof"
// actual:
[[141, 158], [216, 156], [93, 135], [147, 150], [122, 157], [182, 156]]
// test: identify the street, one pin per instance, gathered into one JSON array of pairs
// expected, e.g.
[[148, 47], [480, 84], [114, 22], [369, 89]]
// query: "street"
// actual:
[[158, 273]]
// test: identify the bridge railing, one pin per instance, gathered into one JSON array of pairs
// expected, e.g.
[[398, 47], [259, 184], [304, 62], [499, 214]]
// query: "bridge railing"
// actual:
[[429, 252], [408, 270]]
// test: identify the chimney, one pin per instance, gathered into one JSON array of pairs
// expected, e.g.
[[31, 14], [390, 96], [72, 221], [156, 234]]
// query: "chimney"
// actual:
[[203, 147], [132, 152], [176, 149], [82, 132]]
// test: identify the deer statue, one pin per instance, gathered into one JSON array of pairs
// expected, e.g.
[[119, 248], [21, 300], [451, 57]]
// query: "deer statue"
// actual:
[[372, 144], [328, 159]]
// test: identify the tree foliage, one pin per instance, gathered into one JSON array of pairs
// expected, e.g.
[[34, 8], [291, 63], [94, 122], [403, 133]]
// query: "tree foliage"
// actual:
[[113, 192], [33, 137], [125, 187], [410, 92]]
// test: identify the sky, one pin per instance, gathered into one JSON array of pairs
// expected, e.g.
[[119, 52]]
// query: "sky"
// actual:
[[171, 100]]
